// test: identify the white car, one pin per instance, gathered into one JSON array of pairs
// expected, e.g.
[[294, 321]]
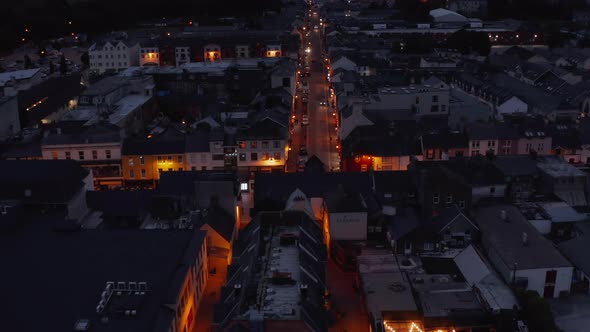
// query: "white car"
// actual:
[[305, 120]]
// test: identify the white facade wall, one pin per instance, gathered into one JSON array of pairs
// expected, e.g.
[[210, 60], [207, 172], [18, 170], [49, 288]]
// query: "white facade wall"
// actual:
[[77, 207], [182, 55], [424, 102], [481, 147], [348, 226], [536, 279], [273, 149], [197, 161], [542, 145], [113, 57], [513, 105], [495, 191], [50, 152], [344, 63]]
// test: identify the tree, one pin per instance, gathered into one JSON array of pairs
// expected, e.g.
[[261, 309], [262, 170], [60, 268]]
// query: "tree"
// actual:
[[470, 41], [28, 62], [536, 312], [63, 66]]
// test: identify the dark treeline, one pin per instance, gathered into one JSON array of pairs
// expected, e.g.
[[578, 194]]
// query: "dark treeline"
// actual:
[[50, 19]]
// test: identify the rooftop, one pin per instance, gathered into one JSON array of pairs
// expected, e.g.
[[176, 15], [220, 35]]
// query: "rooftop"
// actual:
[[557, 168], [507, 237], [17, 75], [388, 293], [78, 277]]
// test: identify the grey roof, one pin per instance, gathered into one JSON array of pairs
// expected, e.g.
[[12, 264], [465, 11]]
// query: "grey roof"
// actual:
[[339, 201], [481, 131], [198, 142], [279, 186], [76, 267], [576, 250], [47, 181], [516, 165], [506, 239], [96, 134]]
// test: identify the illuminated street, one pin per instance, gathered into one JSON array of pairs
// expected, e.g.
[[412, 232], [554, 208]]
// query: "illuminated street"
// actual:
[[319, 137]]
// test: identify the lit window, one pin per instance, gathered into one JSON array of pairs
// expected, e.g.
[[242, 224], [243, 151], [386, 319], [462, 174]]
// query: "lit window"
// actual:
[[141, 160], [143, 173], [244, 186], [131, 173]]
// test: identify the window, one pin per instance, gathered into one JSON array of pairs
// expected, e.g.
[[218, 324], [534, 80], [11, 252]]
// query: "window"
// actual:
[[434, 108], [491, 144], [508, 143], [143, 173], [475, 153], [276, 144], [492, 190], [131, 173], [141, 160], [430, 154], [170, 169], [244, 186], [449, 198], [462, 204], [170, 159], [265, 156], [242, 157], [540, 147], [277, 156], [160, 171], [435, 198], [131, 162], [217, 157], [193, 168], [253, 156], [428, 246], [68, 155], [443, 108], [435, 99], [94, 154], [417, 100], [475, 144], [81, 155], [253, 144], [242, 145], [107, 154], [54, 155], [180, 169], [159, 159], [180, 159], [264, 144]]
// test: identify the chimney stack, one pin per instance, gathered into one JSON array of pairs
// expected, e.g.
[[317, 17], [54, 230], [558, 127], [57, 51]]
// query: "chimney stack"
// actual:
[[503, 216], [525, 239]]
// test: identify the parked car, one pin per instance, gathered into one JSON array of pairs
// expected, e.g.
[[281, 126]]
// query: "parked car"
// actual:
[[305, 120]]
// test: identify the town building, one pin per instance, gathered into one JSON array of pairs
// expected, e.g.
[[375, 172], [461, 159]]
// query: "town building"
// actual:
[[52, 186], [113, 55], [9, 118], [523, 257], [11, 82], [96, 147], [293, 287], [121, 290]]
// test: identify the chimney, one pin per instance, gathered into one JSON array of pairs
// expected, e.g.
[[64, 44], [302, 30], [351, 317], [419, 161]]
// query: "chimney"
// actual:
[[525, 239], [503, 216]]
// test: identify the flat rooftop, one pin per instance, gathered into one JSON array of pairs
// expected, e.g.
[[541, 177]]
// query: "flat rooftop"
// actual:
[[556, 167], [65, 273], [387, 293]]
